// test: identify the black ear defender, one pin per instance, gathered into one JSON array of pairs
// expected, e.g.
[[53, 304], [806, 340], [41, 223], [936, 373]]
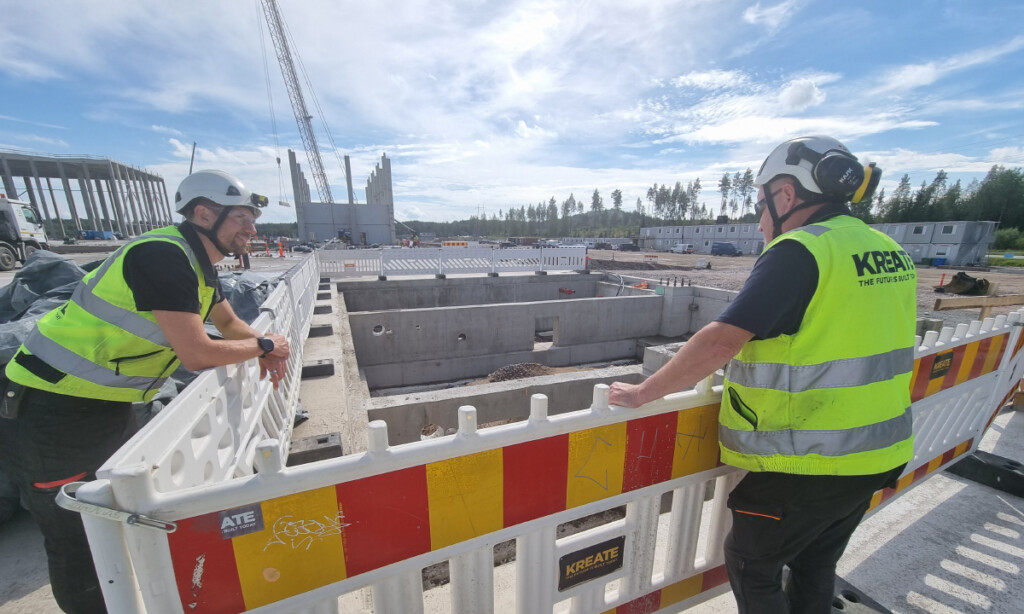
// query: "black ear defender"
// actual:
[[837, 173], [872, 175]]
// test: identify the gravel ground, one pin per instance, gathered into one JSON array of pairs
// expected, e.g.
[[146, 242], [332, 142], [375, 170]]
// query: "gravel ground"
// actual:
[[729, 273]]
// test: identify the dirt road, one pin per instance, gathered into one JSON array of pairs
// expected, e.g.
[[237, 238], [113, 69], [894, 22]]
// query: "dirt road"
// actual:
[[729, 273]]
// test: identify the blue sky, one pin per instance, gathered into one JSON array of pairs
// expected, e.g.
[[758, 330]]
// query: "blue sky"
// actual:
[[484, 105]]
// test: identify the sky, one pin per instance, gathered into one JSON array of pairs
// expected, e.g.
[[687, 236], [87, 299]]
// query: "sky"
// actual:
[[485, 105]]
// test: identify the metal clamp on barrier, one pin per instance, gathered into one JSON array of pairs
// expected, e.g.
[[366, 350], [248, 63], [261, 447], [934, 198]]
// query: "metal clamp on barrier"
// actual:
[[269, 310], [67, 500]]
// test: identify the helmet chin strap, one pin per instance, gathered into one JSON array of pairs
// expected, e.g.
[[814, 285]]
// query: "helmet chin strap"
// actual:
[[211, 233], [778, 220]]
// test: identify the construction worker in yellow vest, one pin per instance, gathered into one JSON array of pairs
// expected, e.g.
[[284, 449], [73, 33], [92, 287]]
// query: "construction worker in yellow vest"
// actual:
[[126, 328], [819, 349]]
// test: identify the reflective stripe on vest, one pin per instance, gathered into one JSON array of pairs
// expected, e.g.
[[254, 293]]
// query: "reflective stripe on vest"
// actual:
[[103, 346], [841, 442], [125, 319], [841, 373], [59, 357], [816, 229], [122, 318], [832, 398]]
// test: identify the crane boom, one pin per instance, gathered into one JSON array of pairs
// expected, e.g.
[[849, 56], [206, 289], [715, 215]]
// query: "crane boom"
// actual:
[[302, 116]]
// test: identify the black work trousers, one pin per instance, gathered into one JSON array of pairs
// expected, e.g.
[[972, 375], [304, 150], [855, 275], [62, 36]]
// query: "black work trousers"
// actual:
[[800, 521], [57, 439]]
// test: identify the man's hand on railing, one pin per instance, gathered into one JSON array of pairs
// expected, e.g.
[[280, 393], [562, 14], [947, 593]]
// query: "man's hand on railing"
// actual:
[[276, 368], [624, 395], [281, 349]]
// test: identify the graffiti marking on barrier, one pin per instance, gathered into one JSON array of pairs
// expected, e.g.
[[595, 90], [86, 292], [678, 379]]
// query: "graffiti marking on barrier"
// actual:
[[593, 448], [690, 438], [197, 579], [654, 444], [299, 533]]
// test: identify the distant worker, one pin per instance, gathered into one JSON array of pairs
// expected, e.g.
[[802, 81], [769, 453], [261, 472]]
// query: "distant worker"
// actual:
[[816, 400], [68, 401]]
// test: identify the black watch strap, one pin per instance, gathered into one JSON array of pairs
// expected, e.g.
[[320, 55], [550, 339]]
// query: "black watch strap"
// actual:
[[266, 345]]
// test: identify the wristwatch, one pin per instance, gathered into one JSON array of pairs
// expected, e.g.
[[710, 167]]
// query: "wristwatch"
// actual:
[[266, 345]]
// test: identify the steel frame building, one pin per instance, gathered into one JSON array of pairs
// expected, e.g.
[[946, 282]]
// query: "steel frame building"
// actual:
[[116, 197]]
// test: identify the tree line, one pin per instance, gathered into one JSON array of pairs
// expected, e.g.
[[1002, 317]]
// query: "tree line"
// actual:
[[998, 197]]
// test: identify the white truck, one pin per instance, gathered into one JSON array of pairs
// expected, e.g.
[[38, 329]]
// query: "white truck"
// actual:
[[21, 232]]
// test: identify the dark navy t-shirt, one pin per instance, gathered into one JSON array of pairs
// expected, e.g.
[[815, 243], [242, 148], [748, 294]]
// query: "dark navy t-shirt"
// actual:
[[780, 287], [161, 276]]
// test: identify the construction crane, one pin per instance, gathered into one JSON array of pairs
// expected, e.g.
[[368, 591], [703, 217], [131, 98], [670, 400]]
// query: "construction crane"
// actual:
[[291, 81]]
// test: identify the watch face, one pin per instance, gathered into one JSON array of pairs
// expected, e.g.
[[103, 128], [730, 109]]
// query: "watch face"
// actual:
[[265, 344]]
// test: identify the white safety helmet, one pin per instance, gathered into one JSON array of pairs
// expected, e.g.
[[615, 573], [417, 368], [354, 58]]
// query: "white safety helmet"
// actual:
[[218, 187], [822, 165]]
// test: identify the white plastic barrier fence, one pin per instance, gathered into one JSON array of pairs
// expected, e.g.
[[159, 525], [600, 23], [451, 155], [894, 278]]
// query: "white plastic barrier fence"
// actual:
[[450, 260], [208, 434], [293, 539]]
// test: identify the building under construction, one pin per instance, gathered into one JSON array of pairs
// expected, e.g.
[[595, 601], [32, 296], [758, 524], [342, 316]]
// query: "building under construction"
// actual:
[[360, 224], [94, 193]]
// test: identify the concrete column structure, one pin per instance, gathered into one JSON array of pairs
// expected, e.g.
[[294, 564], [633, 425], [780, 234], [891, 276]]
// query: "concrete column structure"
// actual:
[[162, 190], [133, 198], [9, 187], [85, 183], [115, 203], [30, 192], [90, 215], [379, 191], [348, 181], [138, 198], [56, 211], [145, 206], [69, 198], [160, 198], [129, 199], [117, 197], [39, 189], [108, 222], [147, 192]]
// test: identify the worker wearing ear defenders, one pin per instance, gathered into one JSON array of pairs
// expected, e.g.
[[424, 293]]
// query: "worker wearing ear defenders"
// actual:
[[819, 351]]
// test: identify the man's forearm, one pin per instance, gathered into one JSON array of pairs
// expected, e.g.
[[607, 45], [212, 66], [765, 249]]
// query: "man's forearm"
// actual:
[[706, 352], [238, 329]]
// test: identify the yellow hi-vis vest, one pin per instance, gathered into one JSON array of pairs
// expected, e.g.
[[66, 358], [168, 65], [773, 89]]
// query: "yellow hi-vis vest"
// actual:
[[833, 398], [98, 345]]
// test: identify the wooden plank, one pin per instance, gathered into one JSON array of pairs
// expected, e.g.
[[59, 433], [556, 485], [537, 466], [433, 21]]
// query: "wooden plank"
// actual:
[[968, 302]]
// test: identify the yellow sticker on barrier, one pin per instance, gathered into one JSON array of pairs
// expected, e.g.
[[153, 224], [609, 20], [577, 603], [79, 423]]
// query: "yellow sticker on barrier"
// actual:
[[967, 363], [596, 463], [994, 354], [465, 496], [674, 593], [696, 446], [299, 548]]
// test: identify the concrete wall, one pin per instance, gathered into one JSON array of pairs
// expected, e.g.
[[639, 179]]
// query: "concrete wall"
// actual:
[[426, 330], [406, 415], [322, 222], [416, 346], [456, 291], [420, 346]]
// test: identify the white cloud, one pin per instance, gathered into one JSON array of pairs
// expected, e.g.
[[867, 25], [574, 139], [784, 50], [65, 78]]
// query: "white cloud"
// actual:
[[34, 123], [913, 76], [772, 17], [533, 132], [35, 138], [165, 130], [1013, 156], [711, 79], [760, 129], [800, 94]]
